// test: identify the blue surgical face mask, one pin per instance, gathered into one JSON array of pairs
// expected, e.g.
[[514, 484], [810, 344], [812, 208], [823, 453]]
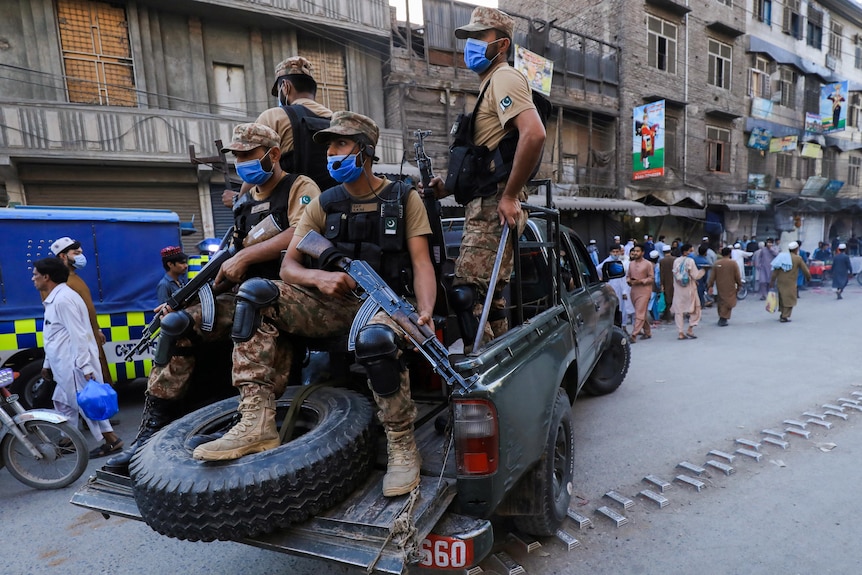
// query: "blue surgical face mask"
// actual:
[[474, 55], [79, 262], [347, 169], [253, 172]]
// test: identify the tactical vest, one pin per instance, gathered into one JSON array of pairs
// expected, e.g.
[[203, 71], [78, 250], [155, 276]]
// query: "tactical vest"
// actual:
[[372, 230], [249, 212]]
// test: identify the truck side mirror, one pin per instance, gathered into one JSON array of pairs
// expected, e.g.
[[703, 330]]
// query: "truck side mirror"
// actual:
[[613, 271]]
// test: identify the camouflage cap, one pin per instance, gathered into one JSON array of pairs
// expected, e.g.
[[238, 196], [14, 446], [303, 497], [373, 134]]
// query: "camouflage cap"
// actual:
[[346, 123], [484, 18], [250, 136], [289, 67]]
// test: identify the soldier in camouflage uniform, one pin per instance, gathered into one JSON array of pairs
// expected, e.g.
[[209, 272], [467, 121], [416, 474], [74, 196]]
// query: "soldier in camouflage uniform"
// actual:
[[294, 85], [272, 193], [506, 106], [319, 303]]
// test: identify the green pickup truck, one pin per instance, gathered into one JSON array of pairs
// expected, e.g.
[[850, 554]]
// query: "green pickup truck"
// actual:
[[504, 447]]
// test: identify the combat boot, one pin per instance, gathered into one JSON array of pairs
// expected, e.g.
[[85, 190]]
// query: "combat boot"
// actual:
[[402, 467], [157, 414], [397, 413], [255, 432]]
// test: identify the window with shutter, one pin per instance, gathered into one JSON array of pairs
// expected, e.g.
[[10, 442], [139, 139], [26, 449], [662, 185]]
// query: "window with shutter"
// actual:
[[97, 56], [718, 149], [329, 68]]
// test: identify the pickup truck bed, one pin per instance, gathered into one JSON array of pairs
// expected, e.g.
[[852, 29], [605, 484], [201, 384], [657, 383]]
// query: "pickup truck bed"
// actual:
[[357, 532]]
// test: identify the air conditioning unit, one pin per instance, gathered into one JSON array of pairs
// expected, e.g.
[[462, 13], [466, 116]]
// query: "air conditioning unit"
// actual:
[[831, 63]]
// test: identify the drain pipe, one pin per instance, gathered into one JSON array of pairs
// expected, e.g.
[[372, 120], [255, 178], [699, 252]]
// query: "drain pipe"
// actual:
[[685, 110]]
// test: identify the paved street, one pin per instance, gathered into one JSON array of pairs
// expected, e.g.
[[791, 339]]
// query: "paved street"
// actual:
[[792, 512]]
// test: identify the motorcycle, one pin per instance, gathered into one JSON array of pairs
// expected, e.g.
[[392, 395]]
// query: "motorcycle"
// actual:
[[40, 448]]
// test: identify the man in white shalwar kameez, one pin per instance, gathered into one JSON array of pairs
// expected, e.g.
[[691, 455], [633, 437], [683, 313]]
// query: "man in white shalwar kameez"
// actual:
[[620, 286], [71, 352]]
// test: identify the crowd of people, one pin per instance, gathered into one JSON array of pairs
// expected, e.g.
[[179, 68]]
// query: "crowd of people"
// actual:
[[673, 282]]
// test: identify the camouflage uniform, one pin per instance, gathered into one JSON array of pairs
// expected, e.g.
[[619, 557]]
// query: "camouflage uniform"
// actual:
[[482, 229], [307, 312], [171, 381]]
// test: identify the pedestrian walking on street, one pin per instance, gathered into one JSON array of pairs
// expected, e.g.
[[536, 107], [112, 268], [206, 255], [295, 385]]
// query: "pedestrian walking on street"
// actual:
[[70, 252], [841, 270], [685, 300], [762, 260], [665, 265], [641, 278], [785, 270], [71, 352], [727, 280]]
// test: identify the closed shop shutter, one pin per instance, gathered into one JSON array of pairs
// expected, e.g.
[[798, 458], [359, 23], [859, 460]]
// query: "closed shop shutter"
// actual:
[[142, 189], [222, 216]]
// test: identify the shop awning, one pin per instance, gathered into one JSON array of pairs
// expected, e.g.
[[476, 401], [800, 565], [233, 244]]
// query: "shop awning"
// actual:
[[746, 207], [564, 203]]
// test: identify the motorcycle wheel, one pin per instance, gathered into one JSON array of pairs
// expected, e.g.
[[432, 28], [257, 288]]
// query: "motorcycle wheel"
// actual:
[[62, 462], [743, 292]]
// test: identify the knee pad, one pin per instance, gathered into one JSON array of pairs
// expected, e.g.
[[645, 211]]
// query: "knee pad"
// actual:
[[463, 299], [252, 295], [173, 326], [377, 351]]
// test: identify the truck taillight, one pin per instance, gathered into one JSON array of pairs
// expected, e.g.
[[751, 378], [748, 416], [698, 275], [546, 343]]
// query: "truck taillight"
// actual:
[[476, 437]]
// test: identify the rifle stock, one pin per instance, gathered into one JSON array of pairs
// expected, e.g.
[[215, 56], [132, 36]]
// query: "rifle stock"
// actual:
[[398, 308]]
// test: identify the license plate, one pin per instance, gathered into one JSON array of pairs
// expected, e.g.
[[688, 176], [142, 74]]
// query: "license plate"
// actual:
[[439, 552]]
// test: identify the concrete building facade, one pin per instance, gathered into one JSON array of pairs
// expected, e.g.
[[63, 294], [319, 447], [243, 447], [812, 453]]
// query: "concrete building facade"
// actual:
[[99, 102]]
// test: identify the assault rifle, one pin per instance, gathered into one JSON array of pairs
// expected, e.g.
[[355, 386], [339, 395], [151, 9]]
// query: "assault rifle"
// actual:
[[379, 294], [432, 204], [198, 286]]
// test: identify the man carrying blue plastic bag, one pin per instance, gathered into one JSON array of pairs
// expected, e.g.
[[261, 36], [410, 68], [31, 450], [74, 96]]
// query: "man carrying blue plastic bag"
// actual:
[[71, 352]]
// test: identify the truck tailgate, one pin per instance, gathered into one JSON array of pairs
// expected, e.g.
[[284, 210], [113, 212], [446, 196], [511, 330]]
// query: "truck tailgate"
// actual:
[[356, 532]]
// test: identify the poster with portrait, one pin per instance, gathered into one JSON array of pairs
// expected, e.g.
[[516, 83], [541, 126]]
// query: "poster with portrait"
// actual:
[[648, 141], [833, 106], [538, 70]]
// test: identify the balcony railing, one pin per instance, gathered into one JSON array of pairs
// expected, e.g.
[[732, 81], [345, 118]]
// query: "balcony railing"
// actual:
[[73, 132]]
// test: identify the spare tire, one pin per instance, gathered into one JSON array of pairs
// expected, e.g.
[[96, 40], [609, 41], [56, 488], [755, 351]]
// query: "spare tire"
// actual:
[[331, 453]]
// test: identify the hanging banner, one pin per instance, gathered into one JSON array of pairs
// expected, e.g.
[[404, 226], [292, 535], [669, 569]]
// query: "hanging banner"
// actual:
[[759, 139], [833, 111], [648, 141], [761, 108], [538, 70], [810, 150], [813, 123], [785, 144]]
